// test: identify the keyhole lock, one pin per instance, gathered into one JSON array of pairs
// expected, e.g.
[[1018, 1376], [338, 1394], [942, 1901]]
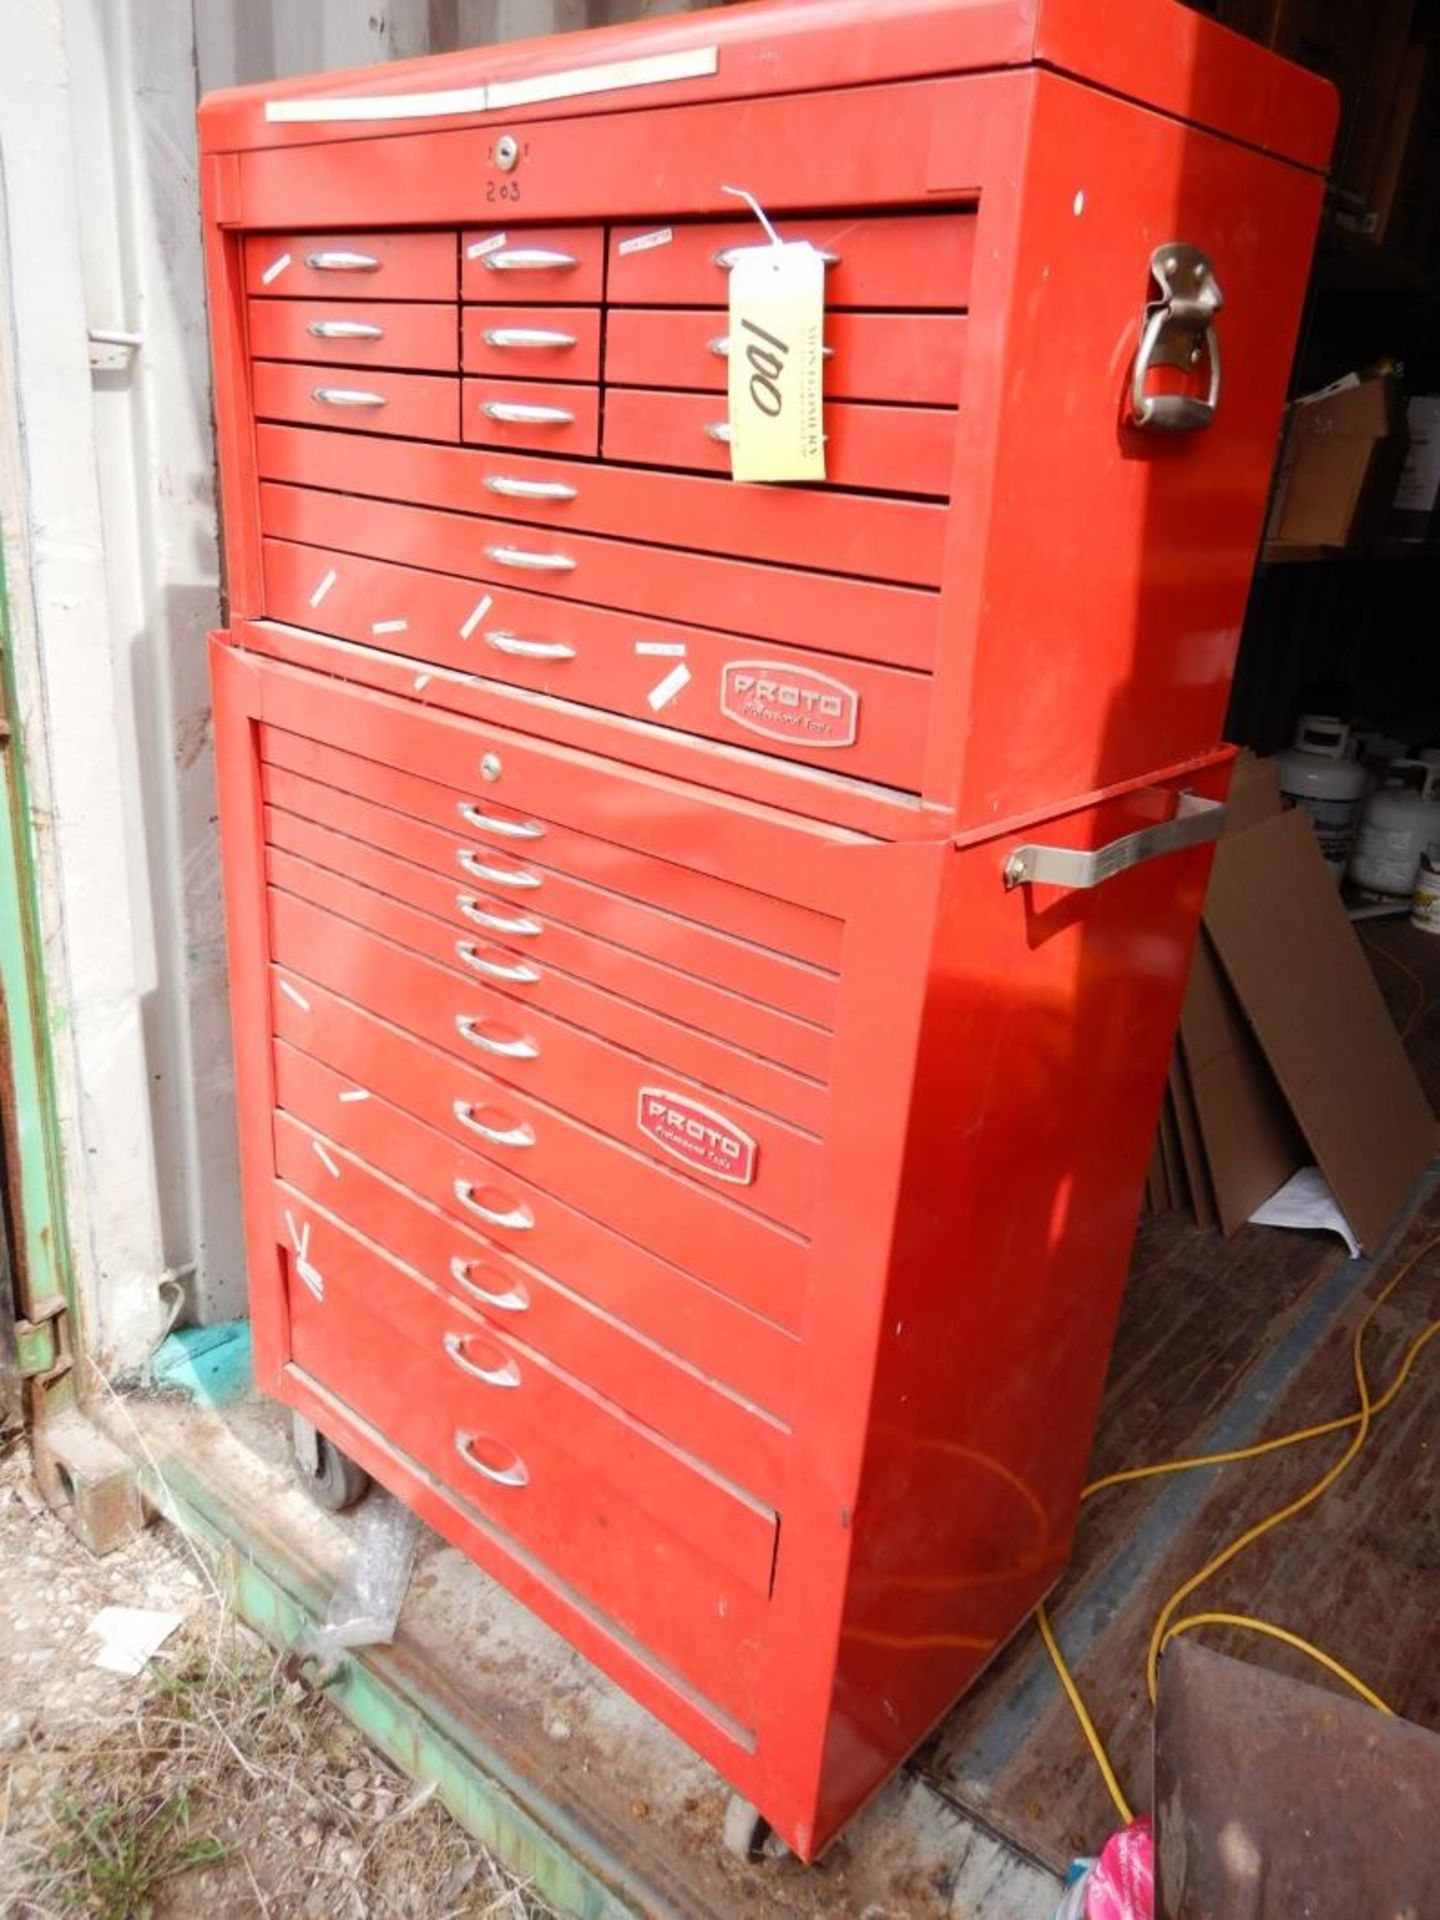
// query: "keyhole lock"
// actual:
[[507, 153], [490, 767]]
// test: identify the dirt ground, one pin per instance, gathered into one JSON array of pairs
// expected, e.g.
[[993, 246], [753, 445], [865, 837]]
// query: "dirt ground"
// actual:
[[209, 1784]]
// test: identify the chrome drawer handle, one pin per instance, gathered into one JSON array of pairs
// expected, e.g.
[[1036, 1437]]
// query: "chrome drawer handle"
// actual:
[[518, 975], [720, 347], [510, 489], [520, 1135], [519, 1219], [347, 397], [341, 261], [1196, 822], [517, 1049], [522, 649], [496, 876], [514, 1300], [518, 413], [345, 330], [517, 1475], [491, 823], [726, 257], [529, 562], [507, 1375], [527, 337], [496, 922], [529, 260]]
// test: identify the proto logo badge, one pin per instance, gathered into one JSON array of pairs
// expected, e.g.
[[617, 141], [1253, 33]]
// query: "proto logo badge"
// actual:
[[790, 703], [700, 1137]]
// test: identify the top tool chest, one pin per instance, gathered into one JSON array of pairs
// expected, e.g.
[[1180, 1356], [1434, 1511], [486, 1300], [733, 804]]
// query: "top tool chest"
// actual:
[[705, 954]]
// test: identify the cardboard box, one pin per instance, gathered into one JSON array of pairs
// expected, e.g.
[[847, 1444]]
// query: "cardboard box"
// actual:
[[1344, 449], [1416, 512]]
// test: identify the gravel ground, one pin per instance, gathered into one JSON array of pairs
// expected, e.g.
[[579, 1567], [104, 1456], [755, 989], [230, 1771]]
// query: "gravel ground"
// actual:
[[209, 1784]]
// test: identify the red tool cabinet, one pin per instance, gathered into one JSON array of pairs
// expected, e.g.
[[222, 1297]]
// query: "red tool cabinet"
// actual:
[[705, 955]]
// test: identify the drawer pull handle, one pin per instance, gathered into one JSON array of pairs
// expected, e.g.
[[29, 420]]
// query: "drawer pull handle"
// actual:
[[345, 330], [520, 648], [518, 1135], [496, 922], [519, 413], [492, 823], [720, 430], [496, 876], [519, 1219], [513, 1300], [726, 257], [339, 260], [517, 1474], [528, 562], [505, 1375], [529, 260], [510, 489], [539, 337], [516, 974], [518, 1048], [347, 397], [720, 347]]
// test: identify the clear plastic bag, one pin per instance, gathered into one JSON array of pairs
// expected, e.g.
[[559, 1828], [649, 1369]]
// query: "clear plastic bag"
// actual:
[[370, 1592]]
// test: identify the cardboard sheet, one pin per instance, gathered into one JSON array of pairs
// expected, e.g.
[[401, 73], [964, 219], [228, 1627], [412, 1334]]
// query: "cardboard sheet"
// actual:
[[1281, 934]]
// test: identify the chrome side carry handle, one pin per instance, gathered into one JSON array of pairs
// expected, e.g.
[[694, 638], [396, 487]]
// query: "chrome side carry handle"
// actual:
[[347, 397], [514, 1299], [520, 648], [540, 338], [529, 260], [345, 330], [506, 1375], [511, 488], [518, 1218], [1178, 330], [492, 823], [341, 260], [1196, 822], [517, 1474]]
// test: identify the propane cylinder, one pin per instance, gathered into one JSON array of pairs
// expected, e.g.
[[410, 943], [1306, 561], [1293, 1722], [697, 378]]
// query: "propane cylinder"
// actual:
[[1399, 821], [1319, 774], [1425, 902]]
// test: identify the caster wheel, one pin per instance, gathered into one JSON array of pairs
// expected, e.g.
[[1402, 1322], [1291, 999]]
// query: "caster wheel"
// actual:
[[747, 1833], [330, 1477]]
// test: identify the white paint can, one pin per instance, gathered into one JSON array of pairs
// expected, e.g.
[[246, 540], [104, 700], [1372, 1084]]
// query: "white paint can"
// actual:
[[1425, 902]]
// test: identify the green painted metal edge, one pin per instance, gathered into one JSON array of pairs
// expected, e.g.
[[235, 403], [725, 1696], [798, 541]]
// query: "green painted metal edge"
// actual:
[[43, 1249], [386, 1699]]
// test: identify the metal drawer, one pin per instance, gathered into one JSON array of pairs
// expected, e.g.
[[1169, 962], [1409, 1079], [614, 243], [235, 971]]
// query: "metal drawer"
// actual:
[[533, 343], [848, 716], [549, 416], [375, 266], [415, 334], [533, 263], [418, 406]]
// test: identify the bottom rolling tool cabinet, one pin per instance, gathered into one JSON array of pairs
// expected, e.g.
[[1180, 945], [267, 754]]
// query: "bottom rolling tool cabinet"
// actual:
[[711, 1219]]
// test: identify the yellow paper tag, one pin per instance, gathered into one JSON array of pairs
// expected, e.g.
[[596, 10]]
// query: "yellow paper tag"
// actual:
[[777, 316]]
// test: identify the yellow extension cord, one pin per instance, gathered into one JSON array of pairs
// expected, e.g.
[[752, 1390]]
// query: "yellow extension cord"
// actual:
[[1166, 1626]]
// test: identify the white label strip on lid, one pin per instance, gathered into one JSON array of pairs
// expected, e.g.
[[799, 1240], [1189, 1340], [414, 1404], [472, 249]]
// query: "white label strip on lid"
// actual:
[[654, 69], [667, 649]]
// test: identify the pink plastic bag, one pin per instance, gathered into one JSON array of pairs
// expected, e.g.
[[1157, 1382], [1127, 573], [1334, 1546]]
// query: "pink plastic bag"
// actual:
[[1122, 1885]]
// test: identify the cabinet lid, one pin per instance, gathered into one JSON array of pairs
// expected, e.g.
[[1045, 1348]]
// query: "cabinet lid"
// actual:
[[1156, 52]]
